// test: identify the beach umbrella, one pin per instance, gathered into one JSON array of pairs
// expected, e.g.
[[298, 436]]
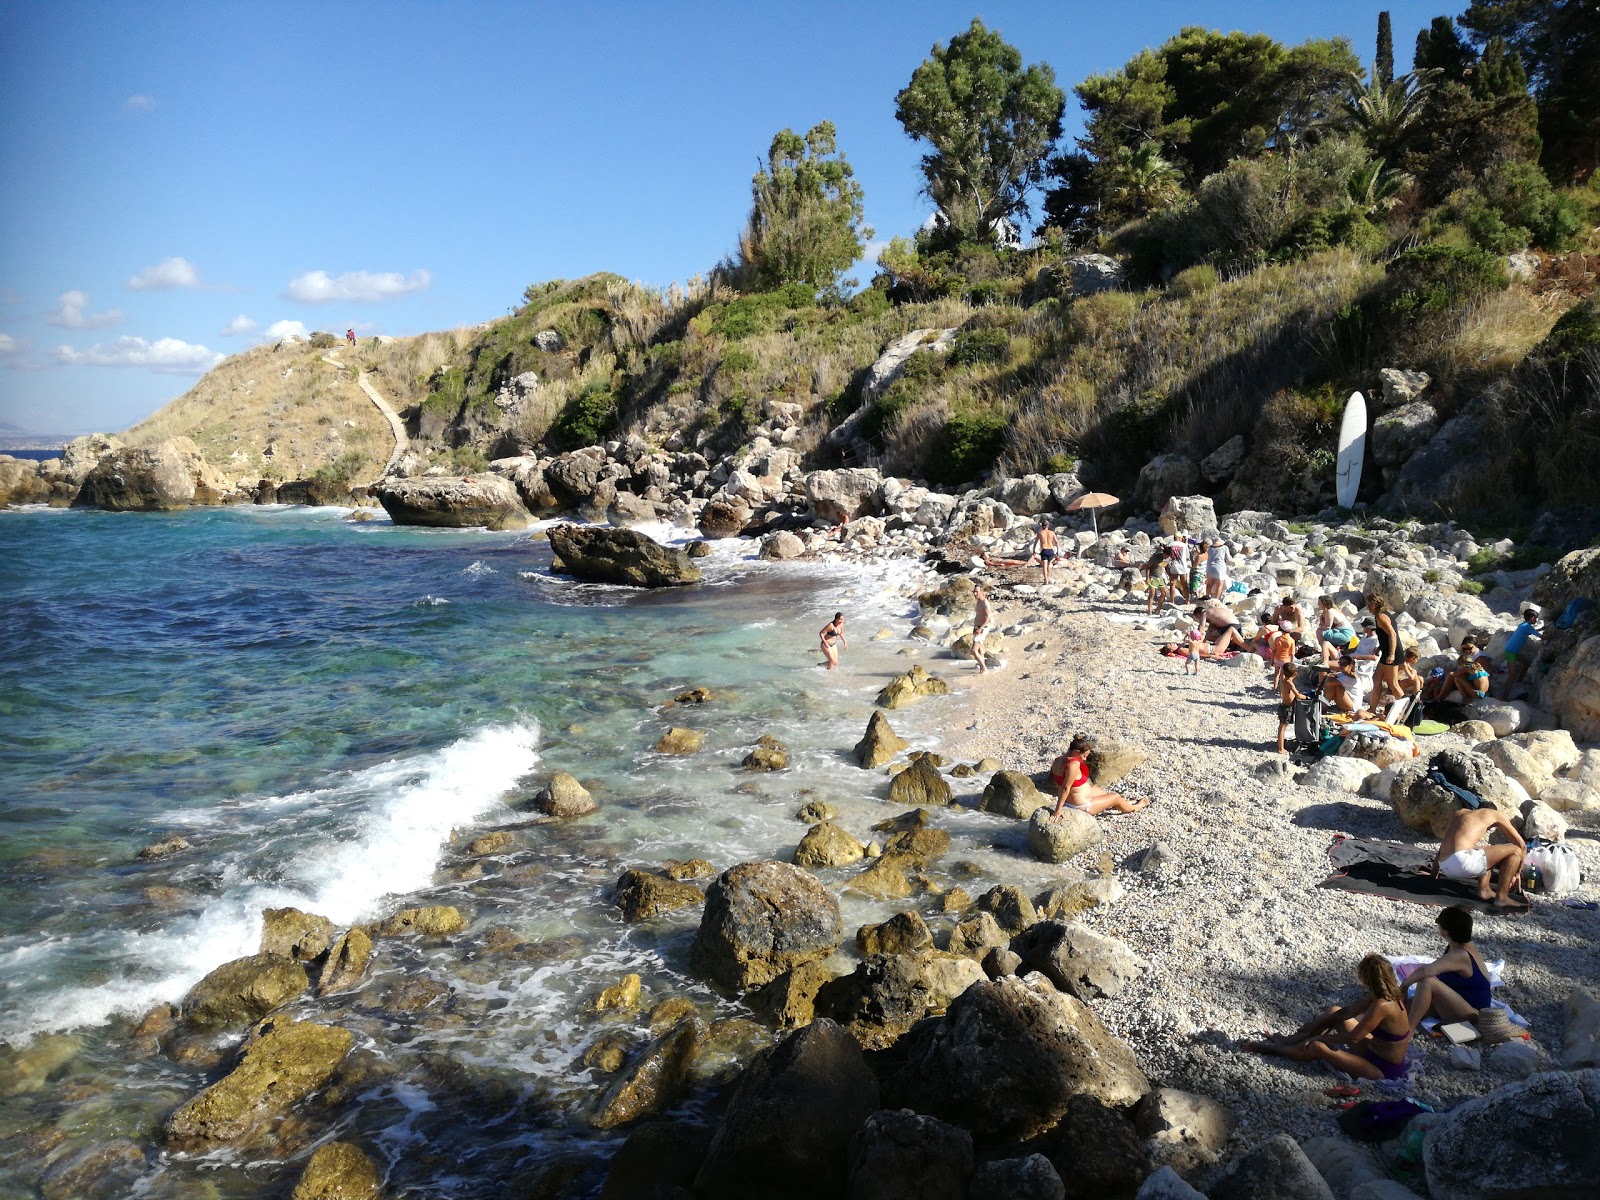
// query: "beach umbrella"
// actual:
[[1093, 501]]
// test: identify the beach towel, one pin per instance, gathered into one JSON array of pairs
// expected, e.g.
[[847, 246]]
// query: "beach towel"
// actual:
[[1397, 871]]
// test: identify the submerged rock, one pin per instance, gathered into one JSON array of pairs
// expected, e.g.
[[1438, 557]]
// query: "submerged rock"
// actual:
[[339, 1171], [680, 741], [642, 895], [486, 501], [656, 1078], [243, 991], [281, 1067], [789, 1001], [762, 919], [438, 920], [621, 556]]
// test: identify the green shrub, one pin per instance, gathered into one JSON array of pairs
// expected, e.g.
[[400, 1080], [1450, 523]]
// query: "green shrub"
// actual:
[[967, 446], [323, 341], [1326, 228], [1194, 281], [584, 420], [1059, 464], [973, 346], [341, 470], [736, 359], [1435, 279], [872, 302], [1471, 587], [738, 412], [1515, 206], [465, 459], [763, 312]]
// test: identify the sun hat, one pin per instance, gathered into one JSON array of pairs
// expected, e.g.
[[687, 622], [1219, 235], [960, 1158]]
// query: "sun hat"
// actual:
[[1285, 626]]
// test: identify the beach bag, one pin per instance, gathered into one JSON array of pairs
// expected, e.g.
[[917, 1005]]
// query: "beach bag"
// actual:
[[1551, 867], [1379, 1120]]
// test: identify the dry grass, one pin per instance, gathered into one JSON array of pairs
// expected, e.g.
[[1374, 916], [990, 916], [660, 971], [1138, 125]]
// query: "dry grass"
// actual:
[[1491, 336], [400, 369], [309, 414]]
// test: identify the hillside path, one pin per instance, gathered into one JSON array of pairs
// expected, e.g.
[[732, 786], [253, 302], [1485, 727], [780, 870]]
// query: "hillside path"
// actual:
[[396, 426]]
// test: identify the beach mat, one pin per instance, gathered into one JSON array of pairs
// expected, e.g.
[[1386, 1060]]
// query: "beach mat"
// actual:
[[1397, 871]]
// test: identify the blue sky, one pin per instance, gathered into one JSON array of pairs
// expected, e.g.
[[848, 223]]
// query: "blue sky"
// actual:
[[177, 180]]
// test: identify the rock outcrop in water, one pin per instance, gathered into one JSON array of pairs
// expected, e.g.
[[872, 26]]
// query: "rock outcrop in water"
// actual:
[[621, 556], [158, 479], [244, 990], [762, 919], [486, 501]]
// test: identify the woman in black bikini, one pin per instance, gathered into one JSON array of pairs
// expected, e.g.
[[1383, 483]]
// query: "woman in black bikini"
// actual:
[[1454, 986], [1366, 1040], [833, 632], [1388, 682]]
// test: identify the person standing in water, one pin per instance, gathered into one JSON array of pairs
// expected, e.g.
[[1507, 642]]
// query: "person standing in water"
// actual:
[[1045, 538], [980, 626], [833, 632]]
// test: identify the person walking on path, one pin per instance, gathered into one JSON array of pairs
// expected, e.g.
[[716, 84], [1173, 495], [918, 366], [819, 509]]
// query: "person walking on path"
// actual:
[[833, 632], [1048, 547], [980, 626], [350, 338]]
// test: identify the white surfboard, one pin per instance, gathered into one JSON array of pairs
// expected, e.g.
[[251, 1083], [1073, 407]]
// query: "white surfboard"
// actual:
[[1352, 449]]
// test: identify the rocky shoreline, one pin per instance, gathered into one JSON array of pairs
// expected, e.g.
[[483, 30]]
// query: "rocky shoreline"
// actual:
[[1066, 1034]]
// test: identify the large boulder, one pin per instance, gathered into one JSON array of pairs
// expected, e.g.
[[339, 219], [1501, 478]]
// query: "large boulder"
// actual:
[[1189, 515], [20, 482], [903, 1156], [1580, 1034], [1516, 763], [1223, 463], [1277, 1168], [843, 495], [723, 518], [1090, 274], [82, 455], [656, 1077], [1400, 386], [1028, 496], [622, 556], [486, 501], [762, 919], [1056, 837], [564, 796], [1030, 1178], [287, 1062], [880, 743], [1443, 471], [904, 933], [1552, 749], [1397, 435], [339, 1171], [1165, 476], [887, 994], [782, 545], [346, 963], [910, 687], [1339, 773], [1095, 1151], [786, 1135], [1400, 588], [1182, 1130], [573, 478], [243, 991], [1111, 760], [1077, 960], [1008, 1057], [290, 933], [895, 355], [1572, 691], [919, 785], [1530, 1139], [827, 844], [1426, 807], [1012, 794], [150, 479]]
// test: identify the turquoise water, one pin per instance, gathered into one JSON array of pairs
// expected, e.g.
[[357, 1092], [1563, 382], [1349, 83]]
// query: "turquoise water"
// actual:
[[328, 711]]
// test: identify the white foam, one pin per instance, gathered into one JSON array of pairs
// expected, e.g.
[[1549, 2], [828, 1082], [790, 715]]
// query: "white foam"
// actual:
[[412, 805]]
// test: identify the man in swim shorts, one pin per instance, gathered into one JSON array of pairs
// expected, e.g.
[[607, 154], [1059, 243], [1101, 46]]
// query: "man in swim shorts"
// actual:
[[980, 626], [1461, 857], [1045, 539]]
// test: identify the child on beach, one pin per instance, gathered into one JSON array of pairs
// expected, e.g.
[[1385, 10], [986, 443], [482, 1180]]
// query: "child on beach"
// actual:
[[1287, 695], [980, 626], [1197, 637], [1518, 654], [1282, 649]]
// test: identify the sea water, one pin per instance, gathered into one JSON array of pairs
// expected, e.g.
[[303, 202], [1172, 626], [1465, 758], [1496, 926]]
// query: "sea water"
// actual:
[[328, 710]]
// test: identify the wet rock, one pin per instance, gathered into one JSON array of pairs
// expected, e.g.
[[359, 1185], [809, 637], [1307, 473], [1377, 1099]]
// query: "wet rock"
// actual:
[[664, 1014], [1055, 838], [903, 1156], [1078, 961], [346, 963], [437, 920], [104, 1171], [339, 1171], [920, 784], [791, 1117], [887, 878], [694, 695], [789, 1001], [766, 758], [1427, 807], [900, 934], [654, 1080], [955, 900], [920, 846], [243, 991], [622, 996], [881, 999], [1008, 1057], [1095, 1151], [290, 933], [487, 501], [827, 845], [814, 812], [910, 687], [689, 868], [490, 843], [1276, 1167], [608, 1052], [680, 741], [1030, 1178], [164, 897], [564, 796], [1012, 910], [410, 996], [173, 845], [999, 961], [762, 919], [288, 1062], [1012, 794], [657, 1162], [781, 545], [620, 556], [642, 895], [975, 935], [1182, 1130]]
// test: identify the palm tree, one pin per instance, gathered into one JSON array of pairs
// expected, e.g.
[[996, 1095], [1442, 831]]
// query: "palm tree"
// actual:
[[1373, 186], [1142, 181], [1383, 113]]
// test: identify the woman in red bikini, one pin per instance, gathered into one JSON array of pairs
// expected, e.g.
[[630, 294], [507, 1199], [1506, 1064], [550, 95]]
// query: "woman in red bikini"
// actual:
[[1070, 774], [1366, 1040]]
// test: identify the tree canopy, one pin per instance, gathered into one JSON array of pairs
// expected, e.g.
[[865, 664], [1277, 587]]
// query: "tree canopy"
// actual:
[[991, 123], [806, 214]]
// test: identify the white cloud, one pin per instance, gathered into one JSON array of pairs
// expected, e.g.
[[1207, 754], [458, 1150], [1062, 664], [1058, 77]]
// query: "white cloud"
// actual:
[[139, 103], [167, 274], [239, 325], [318, 287], [279, 330], [8, 344], [167, 356], [70, 314]]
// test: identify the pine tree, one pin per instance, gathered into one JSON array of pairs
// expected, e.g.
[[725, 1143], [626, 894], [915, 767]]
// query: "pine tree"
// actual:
[[1383, 65]]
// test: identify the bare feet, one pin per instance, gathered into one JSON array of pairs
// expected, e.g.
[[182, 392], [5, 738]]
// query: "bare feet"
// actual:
[[1485, 891]]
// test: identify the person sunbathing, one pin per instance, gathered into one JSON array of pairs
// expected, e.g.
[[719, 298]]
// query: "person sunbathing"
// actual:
[[1461, 857], [1454, 986], [1222, 625], [1070, 774], [1367, 1040]]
